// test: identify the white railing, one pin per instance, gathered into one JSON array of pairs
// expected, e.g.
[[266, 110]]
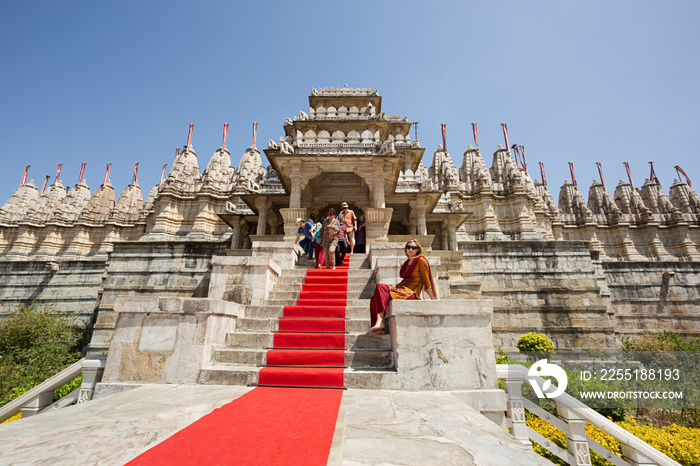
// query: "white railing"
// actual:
[[40, 398], [572, 419]]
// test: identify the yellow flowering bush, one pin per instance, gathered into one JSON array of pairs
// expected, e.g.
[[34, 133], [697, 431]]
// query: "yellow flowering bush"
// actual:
[[679, 443]]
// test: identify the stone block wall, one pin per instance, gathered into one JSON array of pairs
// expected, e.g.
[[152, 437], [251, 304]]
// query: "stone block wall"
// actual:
[[551, 287], [143, 269], [71, 287], [655, 296]]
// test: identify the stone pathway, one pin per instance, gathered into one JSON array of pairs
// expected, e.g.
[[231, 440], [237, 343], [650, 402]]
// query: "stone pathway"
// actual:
[[375, 427]]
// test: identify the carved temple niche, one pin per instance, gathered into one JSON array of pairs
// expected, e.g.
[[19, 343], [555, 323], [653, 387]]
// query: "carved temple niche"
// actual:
[[334, 188]]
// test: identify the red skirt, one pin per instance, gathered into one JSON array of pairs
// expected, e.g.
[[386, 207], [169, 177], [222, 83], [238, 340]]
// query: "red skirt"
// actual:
[[379, 301]]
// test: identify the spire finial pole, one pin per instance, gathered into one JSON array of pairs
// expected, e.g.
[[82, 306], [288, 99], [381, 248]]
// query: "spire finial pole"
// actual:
[[82, 171], [223, 143], [43, 185], [504, 126], [255, 132], [681, 172], [476, 136], [573, 175], [104, 183], [162, 177], [24, 175], [600, 172], [58, 173], [629, 174], [189, 137], [544, 178], [443, 126], [652, 175]]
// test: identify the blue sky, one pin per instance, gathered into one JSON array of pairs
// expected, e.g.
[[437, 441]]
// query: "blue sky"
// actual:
[[580, 81]]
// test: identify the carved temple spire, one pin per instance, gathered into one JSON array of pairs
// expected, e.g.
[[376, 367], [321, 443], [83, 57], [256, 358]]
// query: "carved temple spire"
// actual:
[[601, 202], [100, 205], [474, 173], [572, 205], [129, 205], [73, 204], [42, 210], [19, 203]]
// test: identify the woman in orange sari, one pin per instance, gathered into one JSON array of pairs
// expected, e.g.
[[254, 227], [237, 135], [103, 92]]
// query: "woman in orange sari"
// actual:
[[416, 278]]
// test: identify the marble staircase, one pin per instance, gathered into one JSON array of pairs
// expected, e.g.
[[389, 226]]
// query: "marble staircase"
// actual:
[[368, 360]]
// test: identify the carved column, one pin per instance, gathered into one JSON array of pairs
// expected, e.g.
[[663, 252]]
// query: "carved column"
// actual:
[[236, 236], [412, 226], [378, 221], [444, 238], [378, 191], [273, 221], [289, 216], [263, 206], [295, 194], [452, 235]]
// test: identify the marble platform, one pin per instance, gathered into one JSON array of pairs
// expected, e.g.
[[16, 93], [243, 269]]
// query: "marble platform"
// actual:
[[374, 427]]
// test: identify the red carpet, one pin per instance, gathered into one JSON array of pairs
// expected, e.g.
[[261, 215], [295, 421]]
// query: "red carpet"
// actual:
[[309, 347], [266, 426], [279, 426]]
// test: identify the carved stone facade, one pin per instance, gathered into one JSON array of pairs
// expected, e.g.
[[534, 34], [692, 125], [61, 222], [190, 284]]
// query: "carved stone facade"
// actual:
[[622, 260]]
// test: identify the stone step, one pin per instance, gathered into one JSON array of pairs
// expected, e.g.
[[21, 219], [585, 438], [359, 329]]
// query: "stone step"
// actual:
[[249, 340], [376, 379], [264, 340], [377, 359], [271, 324], [352, 293], [276, 310], [286, 302], [363, 378], [297, 275], [254, 324], [229, 375], [289, 282], [354, 262]]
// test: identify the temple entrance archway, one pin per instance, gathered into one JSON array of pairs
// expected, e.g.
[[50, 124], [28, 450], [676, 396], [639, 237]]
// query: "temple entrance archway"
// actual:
[[331, 189]]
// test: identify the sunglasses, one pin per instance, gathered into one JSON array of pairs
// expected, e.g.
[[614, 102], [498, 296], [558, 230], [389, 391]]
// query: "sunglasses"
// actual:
[[412, 247]]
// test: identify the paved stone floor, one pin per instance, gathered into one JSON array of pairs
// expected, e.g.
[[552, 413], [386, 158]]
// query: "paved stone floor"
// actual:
[[374, 428]]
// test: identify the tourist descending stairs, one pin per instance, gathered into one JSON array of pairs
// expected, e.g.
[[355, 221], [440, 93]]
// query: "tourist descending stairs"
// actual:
[[309, 346]]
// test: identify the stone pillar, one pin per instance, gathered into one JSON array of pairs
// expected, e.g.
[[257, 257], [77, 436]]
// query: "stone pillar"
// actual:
[[245, 280], [377, 223], [452, 235], [236, 236], [516, 409], [447, 345], [576, 438], [412, 226], [295, 194], [273, 221], [37, 404], [444, 238], [378, 191], [263, 206], [289, 216], [420, 221], [92, 374]]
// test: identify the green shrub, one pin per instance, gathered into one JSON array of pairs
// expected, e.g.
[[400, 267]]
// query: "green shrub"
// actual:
[[536, 343], [35, 344], [664, 341]]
